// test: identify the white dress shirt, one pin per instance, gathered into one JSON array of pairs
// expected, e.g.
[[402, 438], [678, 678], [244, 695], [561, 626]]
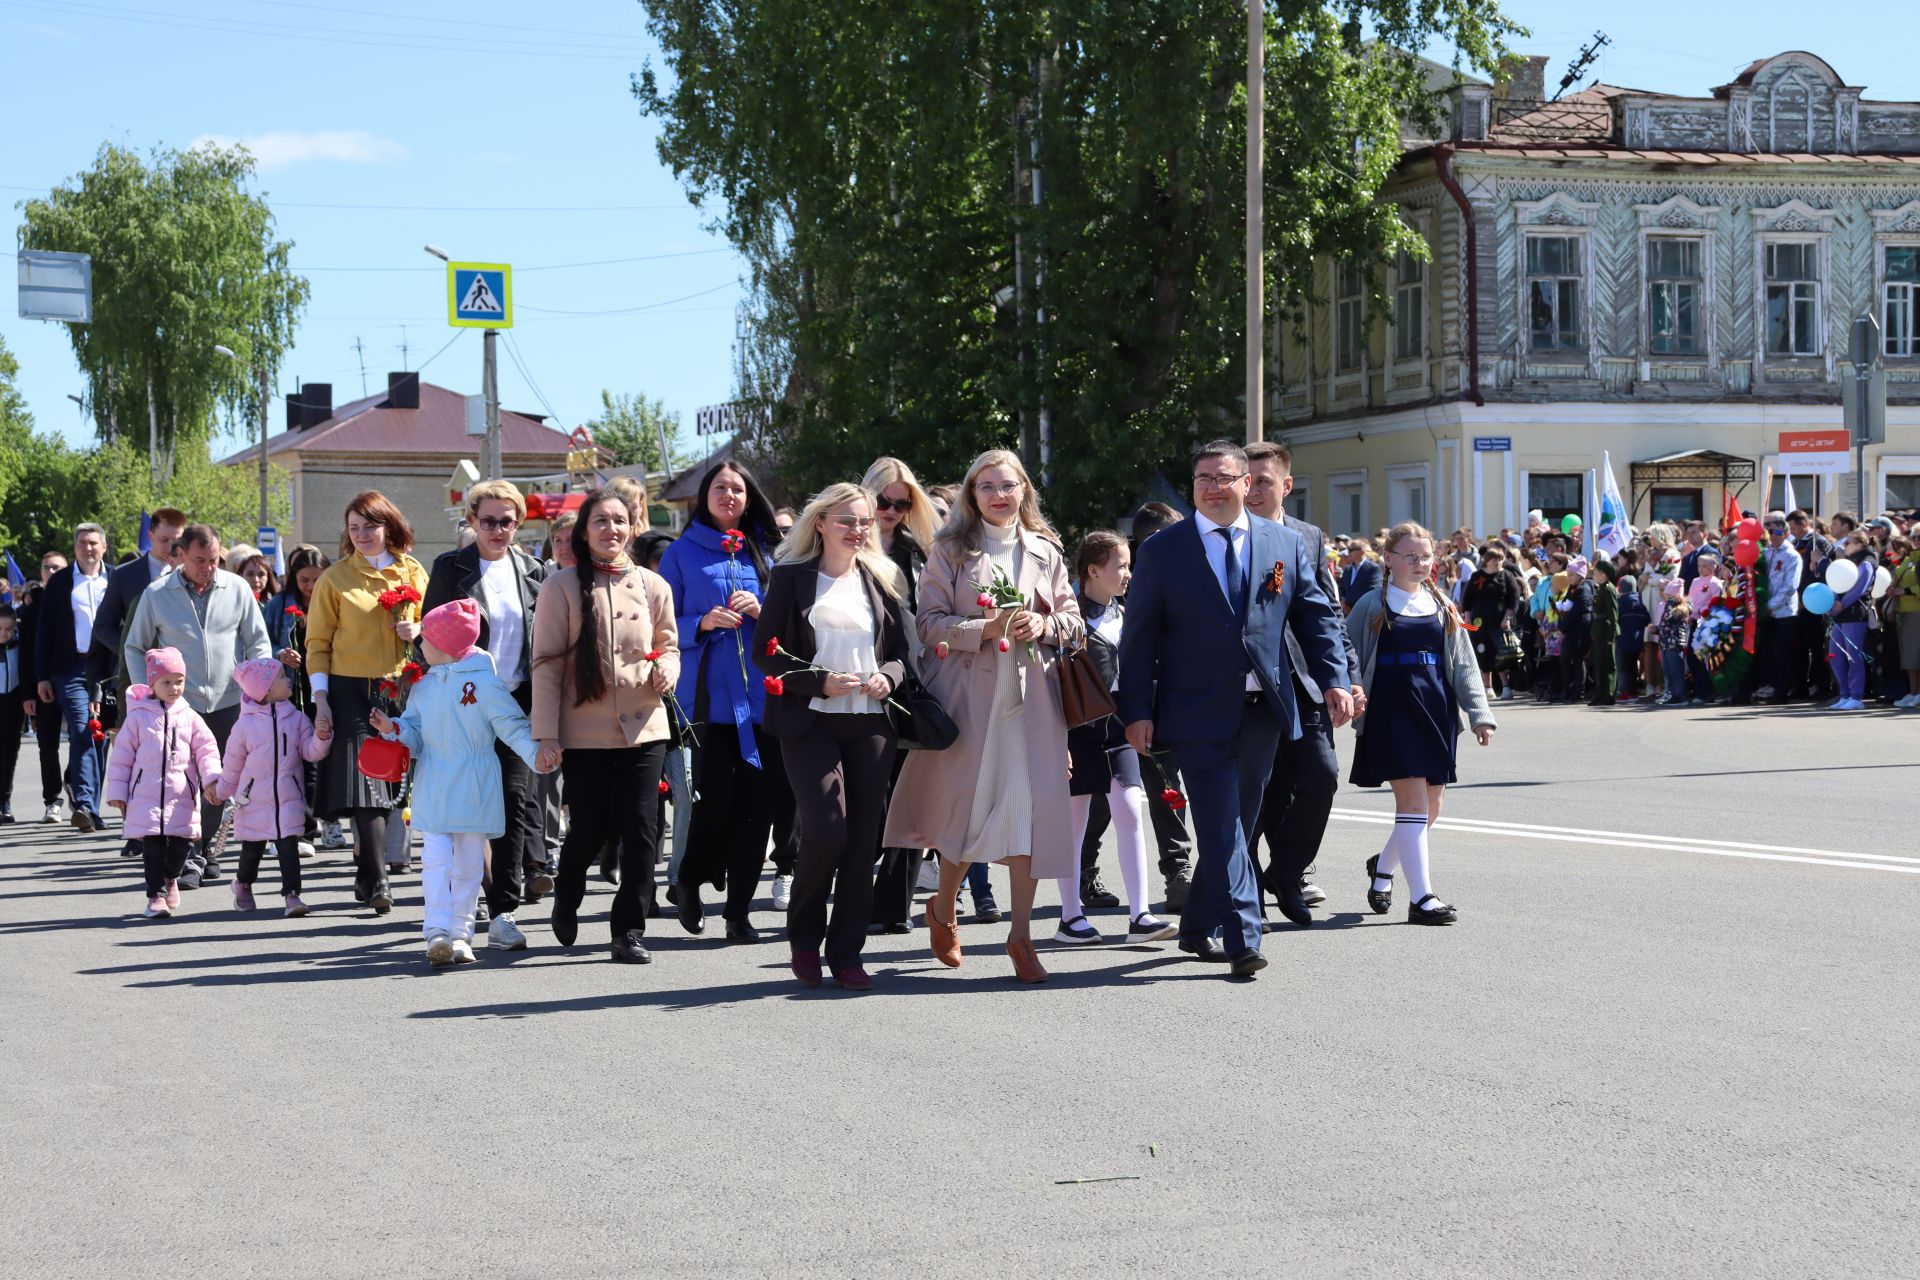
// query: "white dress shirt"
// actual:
[[1241, 531], [87, 595]]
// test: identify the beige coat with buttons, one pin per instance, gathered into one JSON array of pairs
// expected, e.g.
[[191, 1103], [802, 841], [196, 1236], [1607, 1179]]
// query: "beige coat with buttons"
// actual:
[[635, 617]]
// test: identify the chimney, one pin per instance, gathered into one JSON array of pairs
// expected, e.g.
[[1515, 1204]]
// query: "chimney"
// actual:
[[310, 406], [403, 391], [1522, 79]]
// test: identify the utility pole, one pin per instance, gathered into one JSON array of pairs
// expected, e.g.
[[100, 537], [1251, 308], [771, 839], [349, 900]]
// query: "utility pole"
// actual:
[[1256, 218], [490, 388]]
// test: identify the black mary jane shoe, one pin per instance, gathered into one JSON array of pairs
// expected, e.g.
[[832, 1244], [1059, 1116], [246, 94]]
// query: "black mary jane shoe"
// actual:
[[692, 912], [1438, 913], [1381, 901], [1208, 949], [630, 948], [741, 931]]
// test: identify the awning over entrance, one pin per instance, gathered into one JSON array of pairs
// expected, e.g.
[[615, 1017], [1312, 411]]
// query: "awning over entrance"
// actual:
[[1696, 468]]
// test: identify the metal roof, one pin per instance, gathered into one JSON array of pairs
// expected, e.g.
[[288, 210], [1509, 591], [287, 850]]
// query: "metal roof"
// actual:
[[438, 426]]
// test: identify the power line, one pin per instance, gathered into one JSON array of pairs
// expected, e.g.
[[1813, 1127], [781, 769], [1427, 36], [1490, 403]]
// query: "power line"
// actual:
[[438, 208], [513, 350], [555, 266], [458, 334], [627, 311]]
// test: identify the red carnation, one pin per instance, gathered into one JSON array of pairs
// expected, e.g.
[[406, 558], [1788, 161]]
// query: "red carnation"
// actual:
[[388, 688], [773, 645], [664, 788], [775, 685], [94, 725], [387, 599], [410, 594], [295, 611], [412, 672], [653, 655], [1174, 799], [99, 735]]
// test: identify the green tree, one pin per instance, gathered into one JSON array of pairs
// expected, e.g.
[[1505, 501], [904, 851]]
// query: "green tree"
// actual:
[[631, 425], [184, 259], [875, 165]]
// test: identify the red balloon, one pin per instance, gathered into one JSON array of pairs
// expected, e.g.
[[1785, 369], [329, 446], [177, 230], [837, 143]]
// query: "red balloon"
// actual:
[[1750, 530], [1746, 553]]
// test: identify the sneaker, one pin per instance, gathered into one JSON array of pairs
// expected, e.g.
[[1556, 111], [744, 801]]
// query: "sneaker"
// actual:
[[157, 908], [332, 836], [1095, 894], [173, 895], [84, 822], [986, 910], [1076, 931], [504, 935], [1312, 894], [462, 951], [782, 892], [189, 878], [439, 950], [929, 877], [1907, 701], [131, 849], [242, 896], [295, 907], [56, 813], [1146, 928], [304, 848]]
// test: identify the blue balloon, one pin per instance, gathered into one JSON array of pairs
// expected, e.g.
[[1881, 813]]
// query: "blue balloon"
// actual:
[[1818, 597]]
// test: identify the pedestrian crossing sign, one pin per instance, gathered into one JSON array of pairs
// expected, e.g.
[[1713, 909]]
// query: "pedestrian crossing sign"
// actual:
[[479, 295]]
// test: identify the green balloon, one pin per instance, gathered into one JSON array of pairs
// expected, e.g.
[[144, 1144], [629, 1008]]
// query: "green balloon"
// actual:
[[1569, 522]]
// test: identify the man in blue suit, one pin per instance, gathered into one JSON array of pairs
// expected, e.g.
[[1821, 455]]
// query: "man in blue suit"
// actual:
[[1204, 668], [1359, 576]]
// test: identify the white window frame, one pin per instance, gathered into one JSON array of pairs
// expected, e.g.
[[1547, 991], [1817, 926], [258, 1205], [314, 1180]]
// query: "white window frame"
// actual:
[[1813, 289], [1557, 215], [1339, 480], [1896, 229], [1420, 361], [1400, 479], [1794, 222], [1679, 218]]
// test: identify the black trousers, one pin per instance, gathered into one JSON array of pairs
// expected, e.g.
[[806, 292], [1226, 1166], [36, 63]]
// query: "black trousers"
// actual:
[[727, 844], [163, 858], [896, 871], [840, 772], [612, 792], [1573, 668], [1160, 772], [46, 736], [12, 718], [1299, 798], [287, 848], [522, 842], [1809, 668]]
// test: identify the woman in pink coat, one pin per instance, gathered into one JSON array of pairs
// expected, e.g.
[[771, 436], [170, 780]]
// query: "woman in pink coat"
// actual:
[[265, 773], [999, 793], [163, 759]]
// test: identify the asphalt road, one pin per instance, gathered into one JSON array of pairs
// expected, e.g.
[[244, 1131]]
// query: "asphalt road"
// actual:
[[1676, 1036]]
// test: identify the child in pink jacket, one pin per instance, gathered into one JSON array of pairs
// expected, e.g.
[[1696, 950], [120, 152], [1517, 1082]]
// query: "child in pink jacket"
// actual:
[[163, 759], [265, 777]]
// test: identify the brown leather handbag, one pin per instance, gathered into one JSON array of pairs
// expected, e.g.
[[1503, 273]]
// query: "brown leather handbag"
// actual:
[[1084, 695]]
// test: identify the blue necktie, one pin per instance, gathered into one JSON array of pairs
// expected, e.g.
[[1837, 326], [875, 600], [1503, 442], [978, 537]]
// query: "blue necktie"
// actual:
[[1236, 581]]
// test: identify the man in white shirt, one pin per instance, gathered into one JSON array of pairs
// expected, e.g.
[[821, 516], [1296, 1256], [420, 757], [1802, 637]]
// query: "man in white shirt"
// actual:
[[72, 599], [1784, 569]]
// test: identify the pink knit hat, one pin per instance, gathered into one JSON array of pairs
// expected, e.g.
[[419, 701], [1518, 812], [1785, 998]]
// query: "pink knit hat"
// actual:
[[453, 628], [164, 662], [256, 677]]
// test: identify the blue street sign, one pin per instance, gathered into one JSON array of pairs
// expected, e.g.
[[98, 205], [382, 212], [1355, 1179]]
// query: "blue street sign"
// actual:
[[1493, 444], [479, 295]]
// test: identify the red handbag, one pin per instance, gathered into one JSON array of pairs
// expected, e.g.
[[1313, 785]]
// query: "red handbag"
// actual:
[[384, 760]]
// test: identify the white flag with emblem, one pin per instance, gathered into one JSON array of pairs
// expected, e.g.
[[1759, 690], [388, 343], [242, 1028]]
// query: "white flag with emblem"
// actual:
[[1613, 535]]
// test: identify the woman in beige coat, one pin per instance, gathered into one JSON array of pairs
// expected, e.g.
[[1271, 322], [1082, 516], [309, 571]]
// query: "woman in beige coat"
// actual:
[[999, 793], [605, 652]]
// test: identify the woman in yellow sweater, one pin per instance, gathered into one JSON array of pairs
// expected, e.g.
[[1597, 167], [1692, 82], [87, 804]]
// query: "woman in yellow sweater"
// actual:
[[361, 625]]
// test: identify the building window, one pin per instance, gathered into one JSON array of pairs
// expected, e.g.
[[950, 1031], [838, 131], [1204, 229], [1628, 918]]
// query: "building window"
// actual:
[[1793, 299], [1297, 504], [1555, 496], [1347, 505], [1409, 307], [1677, 505], [1407, 500], [1350, 316], [1902, 492], [1553, 292], [1788, 492], [1674, 286], [1903, 284]]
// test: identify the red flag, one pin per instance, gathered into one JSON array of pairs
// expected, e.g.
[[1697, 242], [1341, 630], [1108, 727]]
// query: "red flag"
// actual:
[[1731, 516]]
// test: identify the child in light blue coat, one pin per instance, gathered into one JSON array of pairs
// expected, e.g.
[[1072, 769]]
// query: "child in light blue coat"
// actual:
[[453, 716]]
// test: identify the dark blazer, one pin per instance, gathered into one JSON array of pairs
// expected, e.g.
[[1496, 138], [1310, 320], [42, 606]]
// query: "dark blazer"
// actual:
[[791, 591], [125, 585], [54, 654], [456, 575], [1106, 657], [1358, 581], [1317, 547], [1184, 657], [23, 689]]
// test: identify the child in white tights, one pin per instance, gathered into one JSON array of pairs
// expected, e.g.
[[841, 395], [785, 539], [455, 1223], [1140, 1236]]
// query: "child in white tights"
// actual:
[[1103, 763]]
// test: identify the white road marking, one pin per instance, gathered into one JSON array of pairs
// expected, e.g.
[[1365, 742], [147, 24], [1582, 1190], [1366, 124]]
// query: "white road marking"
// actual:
[[1666, 844]]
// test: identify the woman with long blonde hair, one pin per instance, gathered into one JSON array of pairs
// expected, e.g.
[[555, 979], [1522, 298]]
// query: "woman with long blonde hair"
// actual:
[[999, 793], [1418, 670], [835, 649]]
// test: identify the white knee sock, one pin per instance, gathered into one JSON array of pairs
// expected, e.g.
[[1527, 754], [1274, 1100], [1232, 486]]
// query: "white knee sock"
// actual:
[[1406, 850], [1069, 886], [1130, 836]]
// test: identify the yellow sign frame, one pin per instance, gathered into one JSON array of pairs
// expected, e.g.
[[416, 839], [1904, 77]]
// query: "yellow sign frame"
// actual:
[[455, 319]]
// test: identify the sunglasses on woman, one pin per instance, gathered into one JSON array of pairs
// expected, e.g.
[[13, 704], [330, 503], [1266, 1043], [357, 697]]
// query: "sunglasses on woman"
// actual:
[[902, 505]]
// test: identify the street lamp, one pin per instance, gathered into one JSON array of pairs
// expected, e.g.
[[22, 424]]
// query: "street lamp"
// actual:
[[266, 395], [489, 383]]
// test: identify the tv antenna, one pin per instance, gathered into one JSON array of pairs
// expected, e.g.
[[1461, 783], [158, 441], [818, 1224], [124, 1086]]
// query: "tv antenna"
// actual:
[[360, 349], [1588, 52]]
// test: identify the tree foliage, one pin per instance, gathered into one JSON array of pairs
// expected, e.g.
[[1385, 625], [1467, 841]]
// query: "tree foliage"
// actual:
[[873, 161], [184, 259], [631, 425]]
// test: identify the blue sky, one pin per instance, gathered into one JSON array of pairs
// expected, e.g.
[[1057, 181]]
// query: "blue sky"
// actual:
[[507, 132]]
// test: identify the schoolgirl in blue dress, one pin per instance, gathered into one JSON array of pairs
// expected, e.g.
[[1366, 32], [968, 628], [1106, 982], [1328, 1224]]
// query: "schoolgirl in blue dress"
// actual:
[[1418, 670]]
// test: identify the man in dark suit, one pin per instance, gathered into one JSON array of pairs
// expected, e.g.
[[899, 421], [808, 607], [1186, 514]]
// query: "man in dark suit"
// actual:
[[68, 608], [125, 585], [1204, 666], [1306, 772], [503, 580], [1358, 574], [45, 716]]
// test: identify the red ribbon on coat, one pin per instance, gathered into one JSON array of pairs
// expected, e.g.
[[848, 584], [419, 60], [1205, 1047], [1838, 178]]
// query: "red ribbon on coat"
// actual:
[[467, 695]]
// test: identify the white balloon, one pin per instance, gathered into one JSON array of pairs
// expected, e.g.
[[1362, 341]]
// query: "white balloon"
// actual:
[[1882, 580], [1841, 575]]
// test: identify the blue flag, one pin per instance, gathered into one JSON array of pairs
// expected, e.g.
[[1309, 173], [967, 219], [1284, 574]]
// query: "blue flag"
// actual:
[[15, 579], [146, 533]]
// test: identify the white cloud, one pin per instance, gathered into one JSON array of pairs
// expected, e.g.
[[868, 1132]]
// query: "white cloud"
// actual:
[[282, 149]]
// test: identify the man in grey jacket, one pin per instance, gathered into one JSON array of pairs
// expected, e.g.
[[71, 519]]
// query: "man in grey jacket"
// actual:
[[211, 617]]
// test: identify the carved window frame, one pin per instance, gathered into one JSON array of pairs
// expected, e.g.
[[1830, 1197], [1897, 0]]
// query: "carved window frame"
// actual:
[[1679, 218], [1420, 221], [1894, 229], [1562, 216], [1794, 222]]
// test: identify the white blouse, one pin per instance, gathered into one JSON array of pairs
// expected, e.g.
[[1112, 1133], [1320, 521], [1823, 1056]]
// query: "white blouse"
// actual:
[[1417, 604], [842, 619]]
